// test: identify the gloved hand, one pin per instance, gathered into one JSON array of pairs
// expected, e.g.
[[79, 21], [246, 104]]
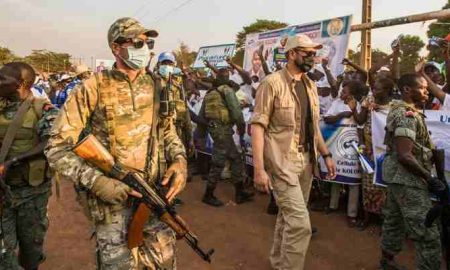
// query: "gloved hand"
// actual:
[[435, 185], [111, 190], [178, 173]]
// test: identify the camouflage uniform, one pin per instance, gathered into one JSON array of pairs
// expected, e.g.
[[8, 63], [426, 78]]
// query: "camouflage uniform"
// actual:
[[119, 113], [182, 119], [132, 104], [222, 111], [408, 201], [24, 219]]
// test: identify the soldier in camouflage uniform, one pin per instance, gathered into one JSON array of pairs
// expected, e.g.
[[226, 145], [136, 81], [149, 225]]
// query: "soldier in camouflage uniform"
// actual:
[[222, 111], [23, 167], [406, 170], [171, 78], [117, 107]]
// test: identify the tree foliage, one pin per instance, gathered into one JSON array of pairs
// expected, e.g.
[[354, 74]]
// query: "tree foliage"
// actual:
[[440, 28], [377, 56], [184, 55], [6, 56], [410, 46], [43, 60], [256, 27]]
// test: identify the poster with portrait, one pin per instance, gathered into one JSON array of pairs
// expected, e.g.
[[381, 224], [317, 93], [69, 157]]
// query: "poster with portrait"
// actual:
[[334, 34], [215, 55], [103, 64]]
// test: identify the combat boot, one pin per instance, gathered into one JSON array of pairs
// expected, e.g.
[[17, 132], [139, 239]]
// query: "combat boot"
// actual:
[[387, 262], [242, 195], [210, 199]]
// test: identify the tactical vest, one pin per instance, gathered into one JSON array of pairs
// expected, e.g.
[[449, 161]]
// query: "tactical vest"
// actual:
[[124, 142], [30, 171], [215, 106]]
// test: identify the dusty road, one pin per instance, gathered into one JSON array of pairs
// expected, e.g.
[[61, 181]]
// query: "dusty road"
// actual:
[[241, 236]]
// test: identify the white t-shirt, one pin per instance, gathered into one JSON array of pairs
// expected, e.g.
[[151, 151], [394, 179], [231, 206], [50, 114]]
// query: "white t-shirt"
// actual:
[[446, 105], [247, 89], [325, 103], [338, 106]]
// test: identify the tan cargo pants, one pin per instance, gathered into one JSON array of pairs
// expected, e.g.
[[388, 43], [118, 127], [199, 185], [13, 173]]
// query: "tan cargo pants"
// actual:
[[293, 227]]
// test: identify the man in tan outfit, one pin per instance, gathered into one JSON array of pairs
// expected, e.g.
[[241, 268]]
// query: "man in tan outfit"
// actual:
[[286, 141]]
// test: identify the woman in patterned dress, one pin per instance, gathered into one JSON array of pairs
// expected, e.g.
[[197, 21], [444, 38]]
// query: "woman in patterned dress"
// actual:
[[373, 196]]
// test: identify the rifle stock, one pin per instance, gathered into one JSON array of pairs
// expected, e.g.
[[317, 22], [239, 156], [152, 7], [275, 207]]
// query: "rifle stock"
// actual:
[[91, 150]]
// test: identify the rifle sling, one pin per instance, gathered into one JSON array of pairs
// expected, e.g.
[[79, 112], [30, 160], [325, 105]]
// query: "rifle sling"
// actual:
[[15, 125], [136, 228]]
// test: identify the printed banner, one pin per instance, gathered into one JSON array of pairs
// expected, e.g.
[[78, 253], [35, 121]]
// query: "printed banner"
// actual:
[[339, 138], [334, 34], [215, 55], [438, 123], [102, 64]]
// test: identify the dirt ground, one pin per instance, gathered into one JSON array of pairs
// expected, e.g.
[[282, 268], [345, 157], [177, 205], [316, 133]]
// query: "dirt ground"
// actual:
[[241, 236]]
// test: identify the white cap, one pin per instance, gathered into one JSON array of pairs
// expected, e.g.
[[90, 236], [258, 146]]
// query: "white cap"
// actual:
[[302, 41], [384, 68]]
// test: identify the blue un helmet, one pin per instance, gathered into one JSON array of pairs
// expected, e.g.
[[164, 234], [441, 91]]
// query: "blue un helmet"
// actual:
[[166, 56]]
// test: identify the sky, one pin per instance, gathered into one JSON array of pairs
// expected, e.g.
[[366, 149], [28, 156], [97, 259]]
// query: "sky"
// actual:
[[80, 27]]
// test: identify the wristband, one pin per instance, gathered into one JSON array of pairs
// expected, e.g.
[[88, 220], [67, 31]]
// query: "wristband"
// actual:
[[329, 155]]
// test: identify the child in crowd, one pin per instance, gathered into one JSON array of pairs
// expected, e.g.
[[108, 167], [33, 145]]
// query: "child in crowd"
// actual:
[[345, 107]]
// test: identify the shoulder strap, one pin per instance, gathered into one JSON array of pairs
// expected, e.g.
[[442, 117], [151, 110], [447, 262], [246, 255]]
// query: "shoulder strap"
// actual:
[[153, 138], [14, 127]]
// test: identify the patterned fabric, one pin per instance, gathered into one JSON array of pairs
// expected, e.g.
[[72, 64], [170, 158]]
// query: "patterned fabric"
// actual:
[[405, 212], [404, 120], [158, 251], [119, 113], [373, 195], [25, 226], [224, 149], [84, 111]]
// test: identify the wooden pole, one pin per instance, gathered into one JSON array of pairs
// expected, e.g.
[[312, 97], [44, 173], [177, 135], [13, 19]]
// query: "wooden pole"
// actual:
[[366, 36], [435, 15]]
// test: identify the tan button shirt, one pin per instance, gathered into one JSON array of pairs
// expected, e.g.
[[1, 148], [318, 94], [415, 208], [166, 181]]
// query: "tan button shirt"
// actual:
[[277, 109]]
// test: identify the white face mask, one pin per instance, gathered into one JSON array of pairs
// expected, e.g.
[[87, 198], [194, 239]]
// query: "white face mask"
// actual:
[[137, 58]]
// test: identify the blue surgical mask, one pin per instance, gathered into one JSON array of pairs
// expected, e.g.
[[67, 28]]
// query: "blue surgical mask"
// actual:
[[137, 58], [166, 70]]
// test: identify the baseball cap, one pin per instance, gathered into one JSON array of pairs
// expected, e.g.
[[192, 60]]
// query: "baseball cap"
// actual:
[[302, 41], [128, 28]]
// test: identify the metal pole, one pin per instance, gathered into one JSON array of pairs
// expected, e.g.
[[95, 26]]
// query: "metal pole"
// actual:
[[366, 36], [435, 15]]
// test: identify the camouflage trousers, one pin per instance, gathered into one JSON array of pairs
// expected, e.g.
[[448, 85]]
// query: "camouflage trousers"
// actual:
[[157, 253], [224, 149], [24, 226], [405, 210]]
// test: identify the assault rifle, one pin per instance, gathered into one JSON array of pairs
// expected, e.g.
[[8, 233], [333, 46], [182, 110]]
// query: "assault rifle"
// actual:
[[91, 150]]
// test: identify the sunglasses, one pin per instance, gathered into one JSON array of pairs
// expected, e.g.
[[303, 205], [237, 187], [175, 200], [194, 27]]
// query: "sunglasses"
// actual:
[[307, 53], [137, 42]]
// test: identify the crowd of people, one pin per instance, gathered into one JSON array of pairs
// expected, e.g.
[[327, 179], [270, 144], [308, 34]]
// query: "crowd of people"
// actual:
[[146, 118]]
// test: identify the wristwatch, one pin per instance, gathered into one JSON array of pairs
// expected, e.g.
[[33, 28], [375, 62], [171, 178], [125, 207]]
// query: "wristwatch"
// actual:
[[329, 155]]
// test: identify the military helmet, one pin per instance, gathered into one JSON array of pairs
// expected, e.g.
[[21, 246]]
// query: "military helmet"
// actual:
[[166, 56]]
